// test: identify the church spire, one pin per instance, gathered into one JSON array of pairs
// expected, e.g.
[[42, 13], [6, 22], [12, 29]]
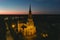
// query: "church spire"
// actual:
[[30, 9], [30, 14]]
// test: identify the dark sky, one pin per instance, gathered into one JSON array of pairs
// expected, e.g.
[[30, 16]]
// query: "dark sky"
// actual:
[[22, 6]]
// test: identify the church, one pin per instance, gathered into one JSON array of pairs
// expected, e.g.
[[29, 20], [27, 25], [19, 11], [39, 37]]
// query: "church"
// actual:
[[27, 28]]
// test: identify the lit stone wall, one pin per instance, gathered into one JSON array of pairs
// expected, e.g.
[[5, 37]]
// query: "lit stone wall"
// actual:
[[19, 27], [29, 31]]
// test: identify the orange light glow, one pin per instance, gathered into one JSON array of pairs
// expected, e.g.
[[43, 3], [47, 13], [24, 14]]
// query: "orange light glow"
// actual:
[[13, 12], [29, 31], [18, 12], [44, 35], [13, 26]]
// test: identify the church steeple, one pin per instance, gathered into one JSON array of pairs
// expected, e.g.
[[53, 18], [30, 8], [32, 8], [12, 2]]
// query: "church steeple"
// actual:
[[30, 12]]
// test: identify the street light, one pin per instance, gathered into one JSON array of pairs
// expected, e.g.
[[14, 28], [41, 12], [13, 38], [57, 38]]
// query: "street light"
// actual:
[[13, 25]]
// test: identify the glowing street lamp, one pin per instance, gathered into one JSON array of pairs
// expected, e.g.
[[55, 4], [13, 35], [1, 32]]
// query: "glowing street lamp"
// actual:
[[13, 25]]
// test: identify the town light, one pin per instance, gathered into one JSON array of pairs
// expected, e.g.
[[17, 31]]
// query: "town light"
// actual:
[[13, 25], [44, 35]]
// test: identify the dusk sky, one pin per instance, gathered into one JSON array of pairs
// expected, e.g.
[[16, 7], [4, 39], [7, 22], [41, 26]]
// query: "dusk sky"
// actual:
[[22, 6]]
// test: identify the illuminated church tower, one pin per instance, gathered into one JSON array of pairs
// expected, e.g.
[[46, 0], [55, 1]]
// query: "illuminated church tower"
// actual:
[[31, 29], [30, 19], [27, 28], [30, 13]]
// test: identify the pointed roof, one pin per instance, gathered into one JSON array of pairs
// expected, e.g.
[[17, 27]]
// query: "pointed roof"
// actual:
[[30, 12], [30, 9]]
